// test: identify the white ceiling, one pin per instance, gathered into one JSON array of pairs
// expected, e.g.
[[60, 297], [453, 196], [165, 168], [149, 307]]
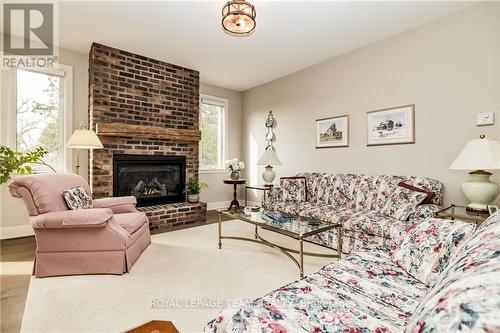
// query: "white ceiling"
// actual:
[[289, 36]]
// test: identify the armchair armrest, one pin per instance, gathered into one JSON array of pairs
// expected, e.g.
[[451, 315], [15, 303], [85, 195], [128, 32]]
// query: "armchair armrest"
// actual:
[[117, 204], [273, 196], [423, 212], [95, 217]]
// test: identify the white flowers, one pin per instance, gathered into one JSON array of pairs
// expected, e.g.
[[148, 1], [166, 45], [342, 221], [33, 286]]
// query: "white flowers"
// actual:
[[234, 165]]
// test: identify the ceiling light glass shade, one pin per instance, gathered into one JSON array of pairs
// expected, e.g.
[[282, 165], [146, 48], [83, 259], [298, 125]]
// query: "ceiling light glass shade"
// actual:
[[238, 17], [478, 154]]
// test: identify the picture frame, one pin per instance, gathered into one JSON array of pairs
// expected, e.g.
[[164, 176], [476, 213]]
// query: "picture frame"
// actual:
[[391, 126], [332, 132]]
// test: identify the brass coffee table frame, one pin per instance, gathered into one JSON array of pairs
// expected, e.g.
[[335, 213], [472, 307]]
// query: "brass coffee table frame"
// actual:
[[285, 250]]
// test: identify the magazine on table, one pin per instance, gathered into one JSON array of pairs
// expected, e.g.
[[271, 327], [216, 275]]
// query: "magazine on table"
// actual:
[[277, 217]]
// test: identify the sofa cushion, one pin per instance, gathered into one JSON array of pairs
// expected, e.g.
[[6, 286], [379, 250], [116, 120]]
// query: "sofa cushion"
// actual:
[[293, 189], [355, 240], [312, 181], [327, 302], [402, 203], [399, 230], [326, 187], [344, 191], [316, 303], [484, 242], [374, 274], [427, 248], [369, 222], [293, 208], [386, 186], [131, 221], [326, 213], [366, 192], [465, 298]]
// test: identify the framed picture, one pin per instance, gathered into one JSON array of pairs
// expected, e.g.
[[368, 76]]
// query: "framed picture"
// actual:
[[391, 126], [332, 132]]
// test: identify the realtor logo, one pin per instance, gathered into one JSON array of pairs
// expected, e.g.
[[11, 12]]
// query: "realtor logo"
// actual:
[[29, 35], [33, 23]]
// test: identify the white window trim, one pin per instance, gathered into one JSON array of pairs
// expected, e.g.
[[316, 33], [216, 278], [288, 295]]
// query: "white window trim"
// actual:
[[225, 103], [67, 105]]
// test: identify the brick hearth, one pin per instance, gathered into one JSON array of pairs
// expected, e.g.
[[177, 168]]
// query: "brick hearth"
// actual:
[[164, 217], [130, 95]]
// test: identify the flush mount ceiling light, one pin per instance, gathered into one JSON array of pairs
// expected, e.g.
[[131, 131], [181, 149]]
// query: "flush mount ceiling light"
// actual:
[[238, 17]]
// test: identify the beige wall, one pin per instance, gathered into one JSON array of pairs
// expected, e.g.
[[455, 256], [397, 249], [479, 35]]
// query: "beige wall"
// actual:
[[218, 193], [13, 214], [448, 68]]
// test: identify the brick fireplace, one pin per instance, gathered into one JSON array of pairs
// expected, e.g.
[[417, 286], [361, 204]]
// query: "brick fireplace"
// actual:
[[144, 107]]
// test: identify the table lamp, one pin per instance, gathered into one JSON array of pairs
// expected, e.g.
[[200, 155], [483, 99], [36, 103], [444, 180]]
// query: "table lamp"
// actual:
[[479, 155], [269, 159], [83, 138]]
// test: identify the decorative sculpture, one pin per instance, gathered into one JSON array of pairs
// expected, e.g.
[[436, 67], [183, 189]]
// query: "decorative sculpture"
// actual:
[[270, 133]]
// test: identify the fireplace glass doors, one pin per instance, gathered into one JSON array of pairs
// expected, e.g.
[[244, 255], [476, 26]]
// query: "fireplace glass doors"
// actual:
[[152, 179]]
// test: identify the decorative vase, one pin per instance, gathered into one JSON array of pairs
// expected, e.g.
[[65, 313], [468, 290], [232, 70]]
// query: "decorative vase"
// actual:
[[268, 175], [193, 198], [480, 191], [235, 175]]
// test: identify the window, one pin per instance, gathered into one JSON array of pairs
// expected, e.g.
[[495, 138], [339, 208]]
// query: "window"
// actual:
[[42, 118], [213, 133]]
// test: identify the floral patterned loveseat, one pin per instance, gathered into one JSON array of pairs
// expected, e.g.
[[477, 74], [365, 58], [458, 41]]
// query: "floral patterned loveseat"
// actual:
[[373, 291], [357, 202]]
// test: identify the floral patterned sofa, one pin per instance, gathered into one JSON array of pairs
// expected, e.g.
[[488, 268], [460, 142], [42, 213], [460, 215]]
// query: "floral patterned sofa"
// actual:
[[454, 286], [357, 201]]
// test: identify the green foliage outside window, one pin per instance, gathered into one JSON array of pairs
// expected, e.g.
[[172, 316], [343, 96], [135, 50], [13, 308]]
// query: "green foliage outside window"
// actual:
[[38, 115], [211, 135]]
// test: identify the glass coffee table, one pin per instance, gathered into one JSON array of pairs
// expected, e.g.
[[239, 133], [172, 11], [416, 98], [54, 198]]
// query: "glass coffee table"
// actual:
[[294, 227]]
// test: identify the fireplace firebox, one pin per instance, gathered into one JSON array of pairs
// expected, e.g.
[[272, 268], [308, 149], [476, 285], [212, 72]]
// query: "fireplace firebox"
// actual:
[[152, 179]]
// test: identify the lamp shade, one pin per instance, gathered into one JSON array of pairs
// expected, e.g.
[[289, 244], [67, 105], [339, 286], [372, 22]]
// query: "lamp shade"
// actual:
[[269, 158], [84, 139], [478, 154]]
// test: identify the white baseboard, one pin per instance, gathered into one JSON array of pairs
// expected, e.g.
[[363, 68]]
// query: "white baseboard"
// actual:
[[218, 205], [16, 231]]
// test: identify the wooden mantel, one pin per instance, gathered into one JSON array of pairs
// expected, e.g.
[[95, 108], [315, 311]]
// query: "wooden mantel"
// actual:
[[145, 131]]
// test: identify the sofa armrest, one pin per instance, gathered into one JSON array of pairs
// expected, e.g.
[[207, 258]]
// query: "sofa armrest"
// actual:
[[273, 196], [423, 212], [117, 204], [87, 218]]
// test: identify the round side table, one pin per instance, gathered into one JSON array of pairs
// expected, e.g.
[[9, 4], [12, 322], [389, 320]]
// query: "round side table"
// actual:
[[235, 183]]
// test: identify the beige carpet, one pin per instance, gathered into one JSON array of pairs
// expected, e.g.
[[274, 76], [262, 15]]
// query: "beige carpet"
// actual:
[[182, 276]]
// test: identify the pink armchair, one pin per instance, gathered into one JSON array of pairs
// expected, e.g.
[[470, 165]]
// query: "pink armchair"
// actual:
[[107, 239]]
